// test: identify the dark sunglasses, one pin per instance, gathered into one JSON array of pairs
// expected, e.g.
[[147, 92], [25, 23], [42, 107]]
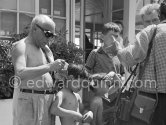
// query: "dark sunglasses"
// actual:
[[47, 33]]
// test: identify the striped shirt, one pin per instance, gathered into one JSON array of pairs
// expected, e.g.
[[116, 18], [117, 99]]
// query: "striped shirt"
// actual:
[[155, 71]]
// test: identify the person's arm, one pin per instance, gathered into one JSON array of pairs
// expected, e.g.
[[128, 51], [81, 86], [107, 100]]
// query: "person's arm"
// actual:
[[90, 61], [137, 51], [56, 108], [19, 60], [97, 108]]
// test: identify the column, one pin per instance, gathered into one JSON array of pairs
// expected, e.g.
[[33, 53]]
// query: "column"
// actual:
[[129, 15], [72, 22], [68, 2], [129, 19], [82, 23], [36, 7]]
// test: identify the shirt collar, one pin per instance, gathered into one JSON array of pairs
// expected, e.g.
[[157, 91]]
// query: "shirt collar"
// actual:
[[100, 50]]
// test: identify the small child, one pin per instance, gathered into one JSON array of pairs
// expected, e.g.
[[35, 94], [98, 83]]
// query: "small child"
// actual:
[[67, 103], [102, 84]]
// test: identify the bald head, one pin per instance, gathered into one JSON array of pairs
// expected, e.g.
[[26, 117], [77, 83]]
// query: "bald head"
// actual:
[[44, 21]]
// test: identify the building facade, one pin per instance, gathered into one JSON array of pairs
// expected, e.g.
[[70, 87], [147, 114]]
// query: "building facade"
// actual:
[[16, 15]]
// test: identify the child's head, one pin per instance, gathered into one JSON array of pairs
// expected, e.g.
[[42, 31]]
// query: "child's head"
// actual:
[[75, 76], [109, 30], [98, 83]]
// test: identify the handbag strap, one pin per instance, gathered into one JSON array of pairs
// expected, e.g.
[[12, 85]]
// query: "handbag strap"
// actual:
[[134, 71], [125, 84]]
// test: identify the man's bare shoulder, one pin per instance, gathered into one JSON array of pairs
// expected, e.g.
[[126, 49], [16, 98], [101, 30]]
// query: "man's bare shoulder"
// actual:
[[19, 46]]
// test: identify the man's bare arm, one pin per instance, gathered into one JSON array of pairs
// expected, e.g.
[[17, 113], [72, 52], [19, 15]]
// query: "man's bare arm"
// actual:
[[19, 59]]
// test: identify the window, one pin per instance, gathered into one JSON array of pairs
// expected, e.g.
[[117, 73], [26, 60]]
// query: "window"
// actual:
[[8, 4], [59, 8], [77, 36], [10, 11], [8, 23], [97, 41], [77, 42], [45, 7], [27, 5], [25, 20], [60, 23]]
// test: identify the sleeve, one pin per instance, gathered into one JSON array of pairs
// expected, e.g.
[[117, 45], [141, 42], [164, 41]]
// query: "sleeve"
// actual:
[[91, 60], [136, 52]]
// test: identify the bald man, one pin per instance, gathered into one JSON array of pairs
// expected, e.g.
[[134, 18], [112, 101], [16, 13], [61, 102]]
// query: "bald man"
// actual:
[[33, 61]]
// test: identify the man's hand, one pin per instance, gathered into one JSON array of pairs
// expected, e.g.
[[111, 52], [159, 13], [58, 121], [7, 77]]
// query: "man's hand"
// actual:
[[114, 47], [57, 65], [87, 118]]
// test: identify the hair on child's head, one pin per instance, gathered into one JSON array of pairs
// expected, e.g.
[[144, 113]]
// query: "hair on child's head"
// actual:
[[111, 26], [95, 79], [77, 71]]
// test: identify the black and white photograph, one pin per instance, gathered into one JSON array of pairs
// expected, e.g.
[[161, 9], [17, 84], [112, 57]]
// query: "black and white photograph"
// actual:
[[82, 62]]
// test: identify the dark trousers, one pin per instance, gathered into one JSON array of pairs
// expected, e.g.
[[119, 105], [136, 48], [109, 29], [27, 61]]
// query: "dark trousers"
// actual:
[[159, 117]]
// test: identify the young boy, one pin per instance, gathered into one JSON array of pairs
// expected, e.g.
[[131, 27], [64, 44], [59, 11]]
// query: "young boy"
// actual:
[[67, 103], [103, 84]]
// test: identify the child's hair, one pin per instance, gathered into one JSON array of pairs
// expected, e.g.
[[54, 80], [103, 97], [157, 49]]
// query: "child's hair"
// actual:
[[120, 23], [95, 79], [110, 27], [78, 71]]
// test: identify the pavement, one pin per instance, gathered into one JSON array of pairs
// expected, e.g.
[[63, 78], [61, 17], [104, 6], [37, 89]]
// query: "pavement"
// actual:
[[6, 113]]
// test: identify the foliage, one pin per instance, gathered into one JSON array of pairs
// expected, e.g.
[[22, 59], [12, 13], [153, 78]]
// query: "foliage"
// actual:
[[6, 71], [66, 50]]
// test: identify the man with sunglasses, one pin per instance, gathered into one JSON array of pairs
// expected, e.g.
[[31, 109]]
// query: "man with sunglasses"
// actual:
[[33, 61]]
